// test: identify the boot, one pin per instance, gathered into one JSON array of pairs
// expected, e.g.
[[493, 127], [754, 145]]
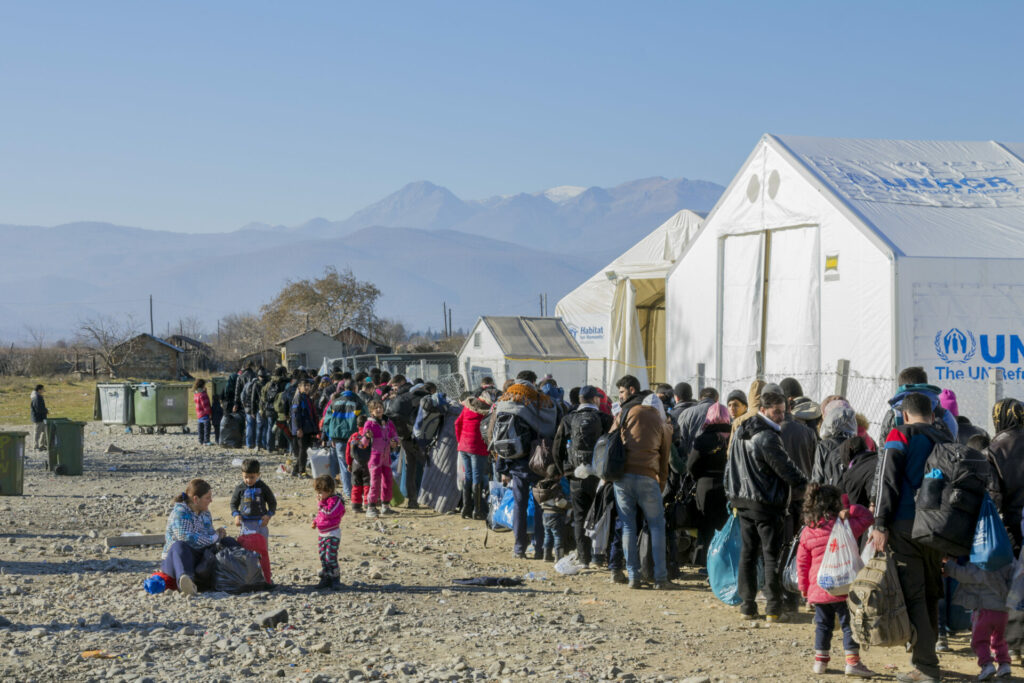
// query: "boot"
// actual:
[[467, 503], [479, 502]]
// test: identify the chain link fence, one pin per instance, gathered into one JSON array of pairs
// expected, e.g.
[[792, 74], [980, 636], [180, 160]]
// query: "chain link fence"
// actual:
[[426, 366]]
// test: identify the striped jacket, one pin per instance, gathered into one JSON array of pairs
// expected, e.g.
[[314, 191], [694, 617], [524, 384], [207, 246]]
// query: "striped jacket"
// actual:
[[186, 526]]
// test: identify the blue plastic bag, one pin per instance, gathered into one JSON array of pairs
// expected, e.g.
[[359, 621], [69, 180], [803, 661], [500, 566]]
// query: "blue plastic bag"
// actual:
[[991, 549], [154, 584], [724, 562], [504, 513]]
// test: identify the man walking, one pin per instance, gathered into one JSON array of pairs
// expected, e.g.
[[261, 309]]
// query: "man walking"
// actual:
[[759, 477], [39, 413], [303, 426]]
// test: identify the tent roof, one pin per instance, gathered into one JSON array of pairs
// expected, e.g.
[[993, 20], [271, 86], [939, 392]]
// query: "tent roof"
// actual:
[[922, 198], [533, 337], [303, 334]]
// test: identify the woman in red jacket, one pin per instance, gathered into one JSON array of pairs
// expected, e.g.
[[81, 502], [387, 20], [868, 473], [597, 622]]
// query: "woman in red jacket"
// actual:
[[473, 452], [202, 411]]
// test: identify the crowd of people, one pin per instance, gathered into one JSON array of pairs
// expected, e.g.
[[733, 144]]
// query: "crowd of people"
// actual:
[[786, 467]]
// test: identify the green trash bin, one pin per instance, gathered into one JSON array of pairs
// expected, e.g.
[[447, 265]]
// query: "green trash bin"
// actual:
[[158, 406], [12, 463], [65, 444], [217, 386]]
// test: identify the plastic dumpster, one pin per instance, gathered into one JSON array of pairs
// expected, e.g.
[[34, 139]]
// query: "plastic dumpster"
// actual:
[[12, 463], [65, 443], [158, 406], [216, 386], [114, 404]]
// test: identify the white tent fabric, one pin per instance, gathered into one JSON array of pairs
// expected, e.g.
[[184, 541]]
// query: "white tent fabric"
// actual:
[[872, 251], [602, 312]]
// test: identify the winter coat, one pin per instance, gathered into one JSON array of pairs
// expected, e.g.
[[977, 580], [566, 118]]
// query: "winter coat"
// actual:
[[647, 438], [344, 411], [271, 390], [966, 430], [38, 406], [690, 422], [184, 525], [1006, 454], [378, 437], [800, 442], [531, 406], [329, 512], [251, 396], [980, 589], [243, 378], [253, 502], [467, 432], [759, 475], [945, 421], [302, 415], [812, 550], [202, 400], [858, 481], [907, 447]]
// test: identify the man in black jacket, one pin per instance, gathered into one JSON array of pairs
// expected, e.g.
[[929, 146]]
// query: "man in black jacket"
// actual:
[[759, 477], [39, 413], [402, 408], [691, 420], [244, 375]]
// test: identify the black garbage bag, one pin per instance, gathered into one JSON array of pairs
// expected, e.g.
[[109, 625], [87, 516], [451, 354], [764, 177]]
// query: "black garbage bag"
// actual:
[[237, 570], [232, 430]]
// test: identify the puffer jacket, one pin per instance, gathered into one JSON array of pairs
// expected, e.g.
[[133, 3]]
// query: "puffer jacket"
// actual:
[[760, 475], [945, 421], [1006, 453], [378, 436], [344, 411], [647, 437], [980, 589], [202, 401], [812, 550], [467, 431]]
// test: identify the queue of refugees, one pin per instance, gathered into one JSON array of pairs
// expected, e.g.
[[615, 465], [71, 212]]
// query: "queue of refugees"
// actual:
[[649, 484]]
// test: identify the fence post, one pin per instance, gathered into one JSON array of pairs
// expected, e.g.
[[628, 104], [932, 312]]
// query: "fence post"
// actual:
[[995, 389], [842, 377], [759, 363], [700, 377], [423, 368]]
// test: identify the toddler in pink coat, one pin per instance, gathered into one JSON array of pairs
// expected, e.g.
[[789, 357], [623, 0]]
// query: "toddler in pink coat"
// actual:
[[330, 510], [380, 435]]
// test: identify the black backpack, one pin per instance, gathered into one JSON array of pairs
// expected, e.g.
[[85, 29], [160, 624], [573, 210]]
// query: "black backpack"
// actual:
[[586, 429], [510, 438], [609, 460], [270, 394], [949, 500], [229, 389]]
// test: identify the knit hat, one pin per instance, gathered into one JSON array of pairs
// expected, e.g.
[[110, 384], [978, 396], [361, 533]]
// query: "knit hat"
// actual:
[[791, 388], [737, 395], [772, 389], [947, 399], [588, 393]]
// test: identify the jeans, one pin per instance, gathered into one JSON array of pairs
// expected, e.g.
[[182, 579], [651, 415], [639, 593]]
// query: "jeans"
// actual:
[[338, 467], [251, 431], [581, 493], [301, 447], [521, 496], [204, 431], [265, 433], [764, 538], [475, 469], [824, 622], [631, 492], [920, 572], [255, 526], [181, 560], [554, 526]]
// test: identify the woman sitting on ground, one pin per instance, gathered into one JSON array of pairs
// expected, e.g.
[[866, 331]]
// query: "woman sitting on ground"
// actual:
[[189, 531]]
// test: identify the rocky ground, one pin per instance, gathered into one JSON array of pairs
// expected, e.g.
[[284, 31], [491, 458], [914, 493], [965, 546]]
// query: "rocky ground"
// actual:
[[399, 617]]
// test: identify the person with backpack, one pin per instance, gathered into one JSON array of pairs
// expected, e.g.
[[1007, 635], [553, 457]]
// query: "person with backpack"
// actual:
[[692, 419], [705, 464], [473, 453], [759, 480], [401, 407], [303, 425], [900, 474], [268, 398], [521, 415], [914, 380], [246, 373], [647, 440], [250, 398], [573, 448], [345, 409], [838, 425]]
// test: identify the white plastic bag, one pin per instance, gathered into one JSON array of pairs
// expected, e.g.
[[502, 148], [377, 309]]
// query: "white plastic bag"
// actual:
[[841, 562], [567, 565]]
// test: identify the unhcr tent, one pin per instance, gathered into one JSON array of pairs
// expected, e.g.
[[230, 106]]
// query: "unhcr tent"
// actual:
[[886, 253], [618, 315]]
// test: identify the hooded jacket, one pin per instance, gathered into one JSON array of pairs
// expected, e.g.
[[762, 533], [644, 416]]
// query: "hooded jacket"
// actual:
[[943, 416], [647, 437], [901, 469], [467, 431], [980, 589], [344, 412], [39, 411], [202, 401], [759, 475], [812, 551], [1006, 454]]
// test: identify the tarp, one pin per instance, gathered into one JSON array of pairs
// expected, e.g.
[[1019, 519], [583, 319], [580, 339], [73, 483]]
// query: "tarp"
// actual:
[[886, 253], [618, 315]]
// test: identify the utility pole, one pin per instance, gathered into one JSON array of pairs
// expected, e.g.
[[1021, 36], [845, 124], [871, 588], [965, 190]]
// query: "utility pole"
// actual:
[[450, 330], [541, 298], [545, 304], [444, 318], [151, 316]]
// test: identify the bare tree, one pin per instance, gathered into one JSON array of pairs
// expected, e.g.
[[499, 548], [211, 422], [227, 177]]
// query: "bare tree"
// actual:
[[328, 303], [106, 335], [189, 327], [388, 331], [240, 335]]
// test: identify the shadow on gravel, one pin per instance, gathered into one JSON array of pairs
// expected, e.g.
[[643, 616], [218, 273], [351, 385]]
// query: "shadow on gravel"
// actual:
[[142, 567], [295, 589], [28, 535], [119, 626]]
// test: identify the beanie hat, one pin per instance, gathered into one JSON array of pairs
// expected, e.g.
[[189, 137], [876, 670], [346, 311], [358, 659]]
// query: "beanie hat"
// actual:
[[737, 395], [588, 393], [773, 389], [947, 399], [791, 388]]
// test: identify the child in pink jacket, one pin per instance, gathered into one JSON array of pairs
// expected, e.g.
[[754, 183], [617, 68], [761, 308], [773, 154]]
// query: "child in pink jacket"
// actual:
[[823, 505], [380, 435], [330, 510]]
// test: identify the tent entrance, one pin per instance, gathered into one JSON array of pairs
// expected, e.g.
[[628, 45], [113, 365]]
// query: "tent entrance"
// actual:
[[650, 314], [770, 304]]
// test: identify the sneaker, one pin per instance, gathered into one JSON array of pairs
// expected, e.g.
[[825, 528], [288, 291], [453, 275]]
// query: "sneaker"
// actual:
[[915, 676], [665, 586], [187, 586], [747, 616], [776, 619], [357, 507], [520, 555], [618, 576], [859, 670], [1004, 670], [987, 672], [636, 584], [371, 512], [941, 644], [819, 667], [387, 510]]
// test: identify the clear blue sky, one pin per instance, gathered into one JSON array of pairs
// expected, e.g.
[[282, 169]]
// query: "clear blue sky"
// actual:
[[201, 116]]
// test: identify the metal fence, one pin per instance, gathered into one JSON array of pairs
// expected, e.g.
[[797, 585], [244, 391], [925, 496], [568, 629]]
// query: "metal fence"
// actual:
[[426, 366]]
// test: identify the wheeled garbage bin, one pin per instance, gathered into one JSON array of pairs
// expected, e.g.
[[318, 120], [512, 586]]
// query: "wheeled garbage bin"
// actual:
[[65, 444], [114, 404], [12, 463], [159, 406]]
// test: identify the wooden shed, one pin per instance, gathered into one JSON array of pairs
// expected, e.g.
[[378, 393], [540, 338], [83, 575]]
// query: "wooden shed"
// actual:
[[196, 356], [147, 357]]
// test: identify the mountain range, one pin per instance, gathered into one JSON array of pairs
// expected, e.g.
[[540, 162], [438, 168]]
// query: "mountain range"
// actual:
[[420, 245]]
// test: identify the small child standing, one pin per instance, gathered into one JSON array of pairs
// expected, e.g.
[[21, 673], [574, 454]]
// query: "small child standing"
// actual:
[[823, 505], [548, 494], [985, 593], [203, 411], [380, 435], [330, 510], [252, 502], [357, 459], [216, 415]]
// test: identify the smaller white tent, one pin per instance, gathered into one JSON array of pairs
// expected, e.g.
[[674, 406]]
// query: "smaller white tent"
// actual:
[[502, 346], [618, 315]]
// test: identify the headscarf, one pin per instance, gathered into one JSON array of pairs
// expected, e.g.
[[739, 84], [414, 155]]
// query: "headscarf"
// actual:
[[840, 420], [655, 402], [1007, 414], [828, 399], [717, 415]]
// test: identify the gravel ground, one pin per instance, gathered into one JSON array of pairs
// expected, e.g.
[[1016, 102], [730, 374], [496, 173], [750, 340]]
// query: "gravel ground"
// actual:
[[398, 618]]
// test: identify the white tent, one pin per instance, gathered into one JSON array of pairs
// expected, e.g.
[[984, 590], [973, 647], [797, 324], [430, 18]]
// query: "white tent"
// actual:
[[618, 315], [500, 347], [886, 253]]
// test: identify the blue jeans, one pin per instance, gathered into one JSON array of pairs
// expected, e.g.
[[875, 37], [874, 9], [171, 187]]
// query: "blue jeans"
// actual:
[[554, 528], [521, 495], [475, 468], [824, 622], [251, 431], [638, 490], [338, 467], [266, 430]]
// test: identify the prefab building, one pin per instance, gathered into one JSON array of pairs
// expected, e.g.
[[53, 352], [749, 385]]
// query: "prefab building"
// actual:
[[308, 349], [886, 253], [503, 346], [618, 315]]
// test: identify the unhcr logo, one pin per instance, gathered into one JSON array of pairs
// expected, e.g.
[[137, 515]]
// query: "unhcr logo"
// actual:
[[955, 346]]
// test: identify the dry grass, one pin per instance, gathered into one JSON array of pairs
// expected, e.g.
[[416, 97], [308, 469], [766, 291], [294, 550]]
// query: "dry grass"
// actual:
[[64, 398]]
